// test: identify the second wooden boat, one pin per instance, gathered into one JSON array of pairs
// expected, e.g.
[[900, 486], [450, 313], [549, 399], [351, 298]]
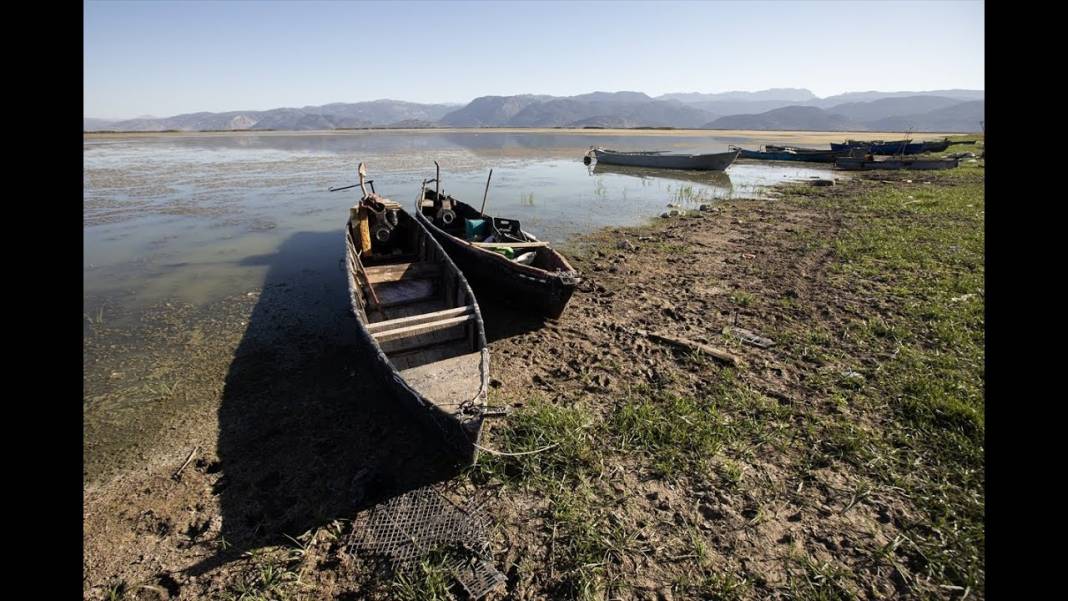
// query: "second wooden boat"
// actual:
[[534, 275], [822, 156], [418, 322], [664, 160]]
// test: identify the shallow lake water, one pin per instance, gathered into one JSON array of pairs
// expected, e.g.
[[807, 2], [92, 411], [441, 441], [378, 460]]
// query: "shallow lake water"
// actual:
[[203, 251], [191, 218]]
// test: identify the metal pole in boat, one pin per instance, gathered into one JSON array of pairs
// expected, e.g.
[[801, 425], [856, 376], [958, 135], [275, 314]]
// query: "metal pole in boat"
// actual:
[[437, 184], [485, 194]]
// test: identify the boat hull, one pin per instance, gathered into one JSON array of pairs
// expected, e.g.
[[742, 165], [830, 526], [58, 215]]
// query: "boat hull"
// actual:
[[699, 162], [461, 432]]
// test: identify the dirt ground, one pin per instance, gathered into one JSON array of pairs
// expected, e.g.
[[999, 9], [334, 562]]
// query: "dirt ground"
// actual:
[[286, 428]]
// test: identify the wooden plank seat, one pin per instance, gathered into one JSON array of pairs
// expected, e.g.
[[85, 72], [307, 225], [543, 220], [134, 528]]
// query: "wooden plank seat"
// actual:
[[418, 329], [381, 274], [411, 320]]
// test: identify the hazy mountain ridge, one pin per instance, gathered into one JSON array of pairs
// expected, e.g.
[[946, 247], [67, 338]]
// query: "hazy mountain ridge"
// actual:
[[939, 110], [328, 116], [865, 116], [805, 118]]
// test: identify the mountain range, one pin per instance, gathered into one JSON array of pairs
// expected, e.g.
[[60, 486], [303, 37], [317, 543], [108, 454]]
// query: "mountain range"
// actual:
[[773, 109]]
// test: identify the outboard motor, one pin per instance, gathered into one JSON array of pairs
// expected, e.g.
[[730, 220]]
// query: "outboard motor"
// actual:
[[383, 216], [444, 213]]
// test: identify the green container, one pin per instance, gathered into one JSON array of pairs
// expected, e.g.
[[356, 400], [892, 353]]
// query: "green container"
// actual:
[[507, 251], [474, 229]]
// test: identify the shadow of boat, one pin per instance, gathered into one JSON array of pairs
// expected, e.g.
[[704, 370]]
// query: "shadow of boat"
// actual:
[[306, 434]]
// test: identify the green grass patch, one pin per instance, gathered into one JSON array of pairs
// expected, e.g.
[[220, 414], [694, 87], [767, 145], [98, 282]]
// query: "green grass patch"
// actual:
[[677, 433], [920, 248], [567, 431]]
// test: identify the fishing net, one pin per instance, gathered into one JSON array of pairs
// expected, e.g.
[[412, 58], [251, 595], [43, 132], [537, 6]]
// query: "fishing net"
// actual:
[[406, 528]]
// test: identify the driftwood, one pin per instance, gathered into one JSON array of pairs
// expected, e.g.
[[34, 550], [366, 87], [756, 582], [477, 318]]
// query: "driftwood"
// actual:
[[717, 353], [178, 474], [750, 337]]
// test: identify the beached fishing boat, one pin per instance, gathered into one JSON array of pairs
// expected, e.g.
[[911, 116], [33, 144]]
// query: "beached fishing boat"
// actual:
[[774, 148], [868, 163], [664, 160], [866, 144], [419, 324], [939, 146], [496, 255], [895, 147], [823, 156], [716, 179]]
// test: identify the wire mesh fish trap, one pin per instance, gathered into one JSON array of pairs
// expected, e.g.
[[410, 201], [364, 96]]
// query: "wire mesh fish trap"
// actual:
[[408, 527]]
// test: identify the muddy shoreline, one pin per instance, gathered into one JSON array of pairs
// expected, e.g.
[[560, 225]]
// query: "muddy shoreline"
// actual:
[[279, 416]]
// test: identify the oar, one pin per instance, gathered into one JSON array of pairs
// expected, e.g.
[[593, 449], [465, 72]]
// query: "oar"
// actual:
[[342, 188], [437, 183], [486, 194]]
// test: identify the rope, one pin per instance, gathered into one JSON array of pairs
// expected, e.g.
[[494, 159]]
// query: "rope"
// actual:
[[502, 453]]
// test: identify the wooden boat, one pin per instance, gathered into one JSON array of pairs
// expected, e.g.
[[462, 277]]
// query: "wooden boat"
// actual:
[[868, 163], [895, 147], [939, 146], [798, 149], [663, 160], [866, 145], [537, 276], [823, 156], [717, 179], [419, 323]]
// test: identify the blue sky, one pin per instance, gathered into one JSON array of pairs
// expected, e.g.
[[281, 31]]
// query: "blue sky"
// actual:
[[166, 58]]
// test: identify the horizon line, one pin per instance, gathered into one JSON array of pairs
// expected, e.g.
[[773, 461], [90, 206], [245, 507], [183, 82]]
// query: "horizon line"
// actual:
[[465, 103]]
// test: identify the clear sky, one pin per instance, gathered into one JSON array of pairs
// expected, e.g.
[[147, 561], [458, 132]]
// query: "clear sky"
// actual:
[[166, 58]]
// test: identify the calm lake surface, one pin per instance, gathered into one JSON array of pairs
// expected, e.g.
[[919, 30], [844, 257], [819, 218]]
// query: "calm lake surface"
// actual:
[[190, 218]]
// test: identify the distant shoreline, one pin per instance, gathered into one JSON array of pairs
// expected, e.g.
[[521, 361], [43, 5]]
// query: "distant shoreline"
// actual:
[[796, 135]]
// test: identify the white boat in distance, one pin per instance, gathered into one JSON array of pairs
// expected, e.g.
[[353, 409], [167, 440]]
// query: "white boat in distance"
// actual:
[[663, 160]]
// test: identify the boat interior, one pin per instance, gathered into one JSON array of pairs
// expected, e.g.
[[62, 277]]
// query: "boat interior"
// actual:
[[418, 311], [494, 234]]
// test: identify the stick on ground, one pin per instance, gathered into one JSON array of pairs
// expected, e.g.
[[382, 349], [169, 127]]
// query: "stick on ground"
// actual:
[[720, 354]]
